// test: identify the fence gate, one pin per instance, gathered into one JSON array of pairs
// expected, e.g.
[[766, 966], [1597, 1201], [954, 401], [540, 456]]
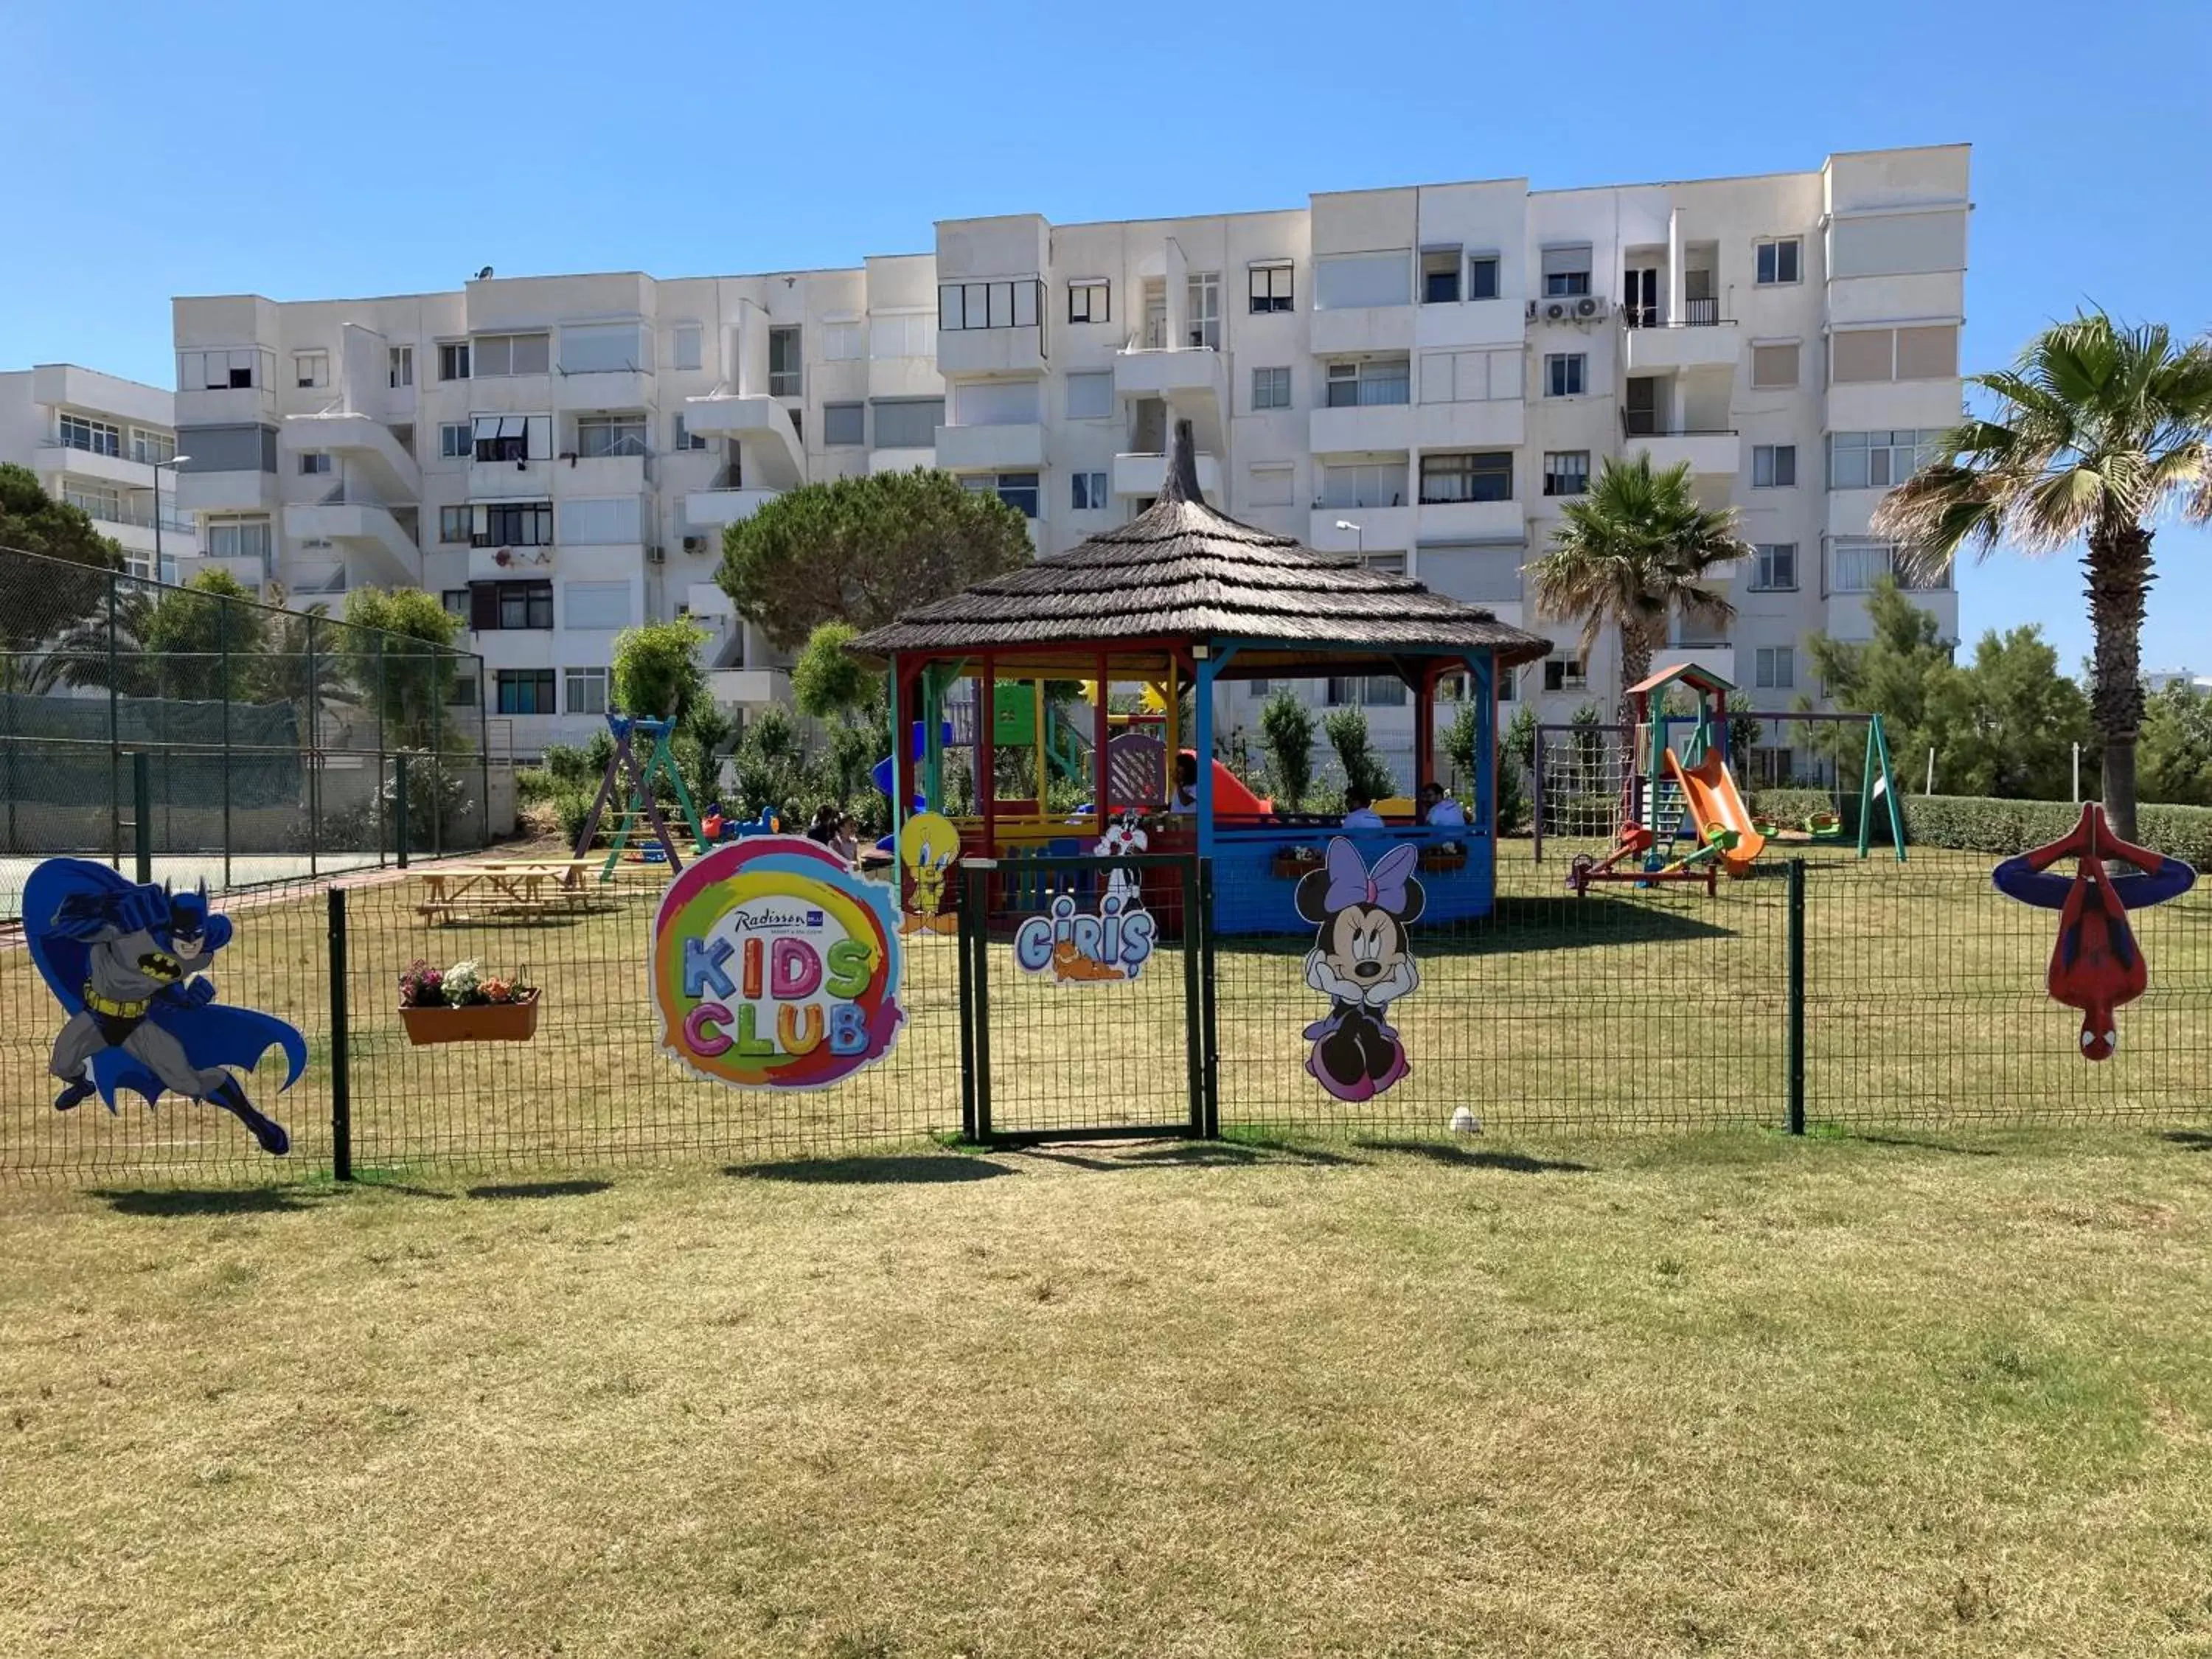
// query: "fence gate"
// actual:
[[1089, 1002]]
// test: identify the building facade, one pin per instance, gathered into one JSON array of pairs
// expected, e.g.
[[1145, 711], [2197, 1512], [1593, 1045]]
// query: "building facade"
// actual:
[[108, 445], [1419, 376]]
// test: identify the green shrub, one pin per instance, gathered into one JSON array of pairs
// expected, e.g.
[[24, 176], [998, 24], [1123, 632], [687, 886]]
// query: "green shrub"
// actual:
[[1978, 824], [533, 784], [1286, 732], [1366, 772], [570, 807]]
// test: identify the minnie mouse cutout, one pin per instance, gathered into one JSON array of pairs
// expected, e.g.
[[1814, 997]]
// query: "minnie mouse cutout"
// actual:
[[1361, 962]]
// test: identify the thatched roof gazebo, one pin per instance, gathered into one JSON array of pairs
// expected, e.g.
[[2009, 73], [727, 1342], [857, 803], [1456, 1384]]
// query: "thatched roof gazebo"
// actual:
[[1185, 596]]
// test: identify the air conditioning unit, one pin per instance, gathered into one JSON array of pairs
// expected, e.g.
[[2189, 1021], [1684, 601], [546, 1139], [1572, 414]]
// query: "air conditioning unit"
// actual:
[[1559, 311], [1588, 309], [656, 555], [694, 543]]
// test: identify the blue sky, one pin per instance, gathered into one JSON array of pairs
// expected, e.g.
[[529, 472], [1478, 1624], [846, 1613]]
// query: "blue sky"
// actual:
[[308, 151]]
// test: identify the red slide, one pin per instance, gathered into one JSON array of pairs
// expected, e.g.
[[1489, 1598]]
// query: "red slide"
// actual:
[[1231, 799]]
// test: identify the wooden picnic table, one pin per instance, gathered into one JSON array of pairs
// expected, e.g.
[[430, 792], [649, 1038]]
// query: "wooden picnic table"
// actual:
[[512, 887]]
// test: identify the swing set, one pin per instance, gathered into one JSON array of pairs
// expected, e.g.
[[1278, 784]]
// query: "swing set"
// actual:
[[629, 782]]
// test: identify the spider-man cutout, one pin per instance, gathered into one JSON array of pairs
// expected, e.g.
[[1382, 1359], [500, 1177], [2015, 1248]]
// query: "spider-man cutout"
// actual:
[[2096, 965]]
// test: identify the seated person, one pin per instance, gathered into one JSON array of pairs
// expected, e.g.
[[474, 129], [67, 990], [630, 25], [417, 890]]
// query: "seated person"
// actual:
[[824, 830], [1186, 789], [1439, 810], [846, 843], [1359, 811]]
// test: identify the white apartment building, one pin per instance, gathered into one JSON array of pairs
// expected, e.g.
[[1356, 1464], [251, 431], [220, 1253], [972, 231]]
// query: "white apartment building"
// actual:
[[106, 444], [1417, 375]]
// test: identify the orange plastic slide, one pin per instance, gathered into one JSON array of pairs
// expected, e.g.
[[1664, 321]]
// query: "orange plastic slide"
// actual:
[[1712, 797], [1231, 799]]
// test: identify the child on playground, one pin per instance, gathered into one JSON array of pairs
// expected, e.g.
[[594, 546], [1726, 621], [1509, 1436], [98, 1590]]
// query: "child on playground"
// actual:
[[846, 843]]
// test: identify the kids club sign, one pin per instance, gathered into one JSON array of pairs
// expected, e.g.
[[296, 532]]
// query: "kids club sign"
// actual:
[[774, 967]]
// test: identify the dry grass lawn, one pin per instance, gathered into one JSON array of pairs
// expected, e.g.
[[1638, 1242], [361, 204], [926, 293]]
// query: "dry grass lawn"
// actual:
[[1728, 1394]]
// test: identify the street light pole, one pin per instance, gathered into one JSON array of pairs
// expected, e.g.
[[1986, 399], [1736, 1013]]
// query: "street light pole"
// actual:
[[1359, 536]]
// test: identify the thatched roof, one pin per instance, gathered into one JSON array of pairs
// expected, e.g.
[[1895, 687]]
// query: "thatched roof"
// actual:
[[1182, 570]]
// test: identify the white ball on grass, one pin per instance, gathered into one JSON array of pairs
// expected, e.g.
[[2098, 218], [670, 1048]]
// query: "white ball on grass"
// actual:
[[1464, 1122]]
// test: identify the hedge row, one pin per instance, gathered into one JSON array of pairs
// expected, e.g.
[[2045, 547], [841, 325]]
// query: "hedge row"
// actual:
[[1977, 824]]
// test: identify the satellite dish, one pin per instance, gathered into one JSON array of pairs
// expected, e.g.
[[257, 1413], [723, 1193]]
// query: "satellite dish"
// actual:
[[484, 274]]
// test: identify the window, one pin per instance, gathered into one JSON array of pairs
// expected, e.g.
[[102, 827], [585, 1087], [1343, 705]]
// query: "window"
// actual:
[[310, 369], [1563, 373], [103, 502], [1779, 258], [599, 436], [1203, 325], [1089, 397], [1482, 277], [1016, 489], [785, 375], [1369, 690], [1346, 281], [1469, 377], [1566, 472], [243, 367], [1925, 353], [1089, 494], [512, 523], [456, 599], [1508, 685], [907, 422], [680, 438], [400, 366], [513, 437], [1774, 567], [844, 424], [1090, 301], [604, 348], [902, 334], [457, 440], [997, 403], [1270, 388], [843, 342], [1363, 385], [96, 437], [1269, 286], [453, 523], [453, 360], [1474, 475], [586, 691], [1370, 483], [496, 355], [1567, 270], [1564, 674], [1772, 767], [152, 449], [313, 463], [1774, 466], [1440, 276], [1774, 366], [1878, 460], [988, 305], [461, 691], [1854, 563], [526, 691], [495, 606], [1270, 486], [1774, 668], [239, 537], [687, 341], [597, 605]]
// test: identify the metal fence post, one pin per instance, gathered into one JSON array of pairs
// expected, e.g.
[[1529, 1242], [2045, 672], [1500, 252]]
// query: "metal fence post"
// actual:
[[967, 965], [142, 812], [314, 760], [400, 802], [1796, 996], [975, 882], [1210, 1058], [114, 735], [341, 1069], [222, 616]]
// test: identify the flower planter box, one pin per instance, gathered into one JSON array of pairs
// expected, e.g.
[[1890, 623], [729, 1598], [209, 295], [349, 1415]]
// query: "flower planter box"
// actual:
[[482, 1022], [1291, 869], [1434, 857]]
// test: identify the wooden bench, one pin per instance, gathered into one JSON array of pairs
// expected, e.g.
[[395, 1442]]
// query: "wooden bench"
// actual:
[[519, 887]]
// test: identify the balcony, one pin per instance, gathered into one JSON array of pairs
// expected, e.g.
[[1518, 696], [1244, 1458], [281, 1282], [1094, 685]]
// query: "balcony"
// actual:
[[248, 405], [1700, 338], [711, 509], [1718, 659], [246, 489], [55, 458], [1017, 447], [125, 403], [1469, 521], [375, 545], [900, 461], [1494, 423], [132, 527], [749, 688], [1192, 381], [1713, 452], [626, 473], [1384, 528], [1348, 330], [1002, 330], [1845, 615], [760, 425], [363, 444], [1146, 475], [1380, 427], [617, 388]]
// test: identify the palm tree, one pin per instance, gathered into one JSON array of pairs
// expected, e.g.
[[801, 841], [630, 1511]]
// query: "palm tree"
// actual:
[[2098, 430], [1632, 553]]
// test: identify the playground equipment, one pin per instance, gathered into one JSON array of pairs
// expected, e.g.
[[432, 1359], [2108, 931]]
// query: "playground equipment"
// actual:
[[1664, 800], [631, 781]]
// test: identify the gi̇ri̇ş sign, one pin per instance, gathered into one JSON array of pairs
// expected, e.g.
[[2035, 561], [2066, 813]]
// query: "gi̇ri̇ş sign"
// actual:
[[775, 967]]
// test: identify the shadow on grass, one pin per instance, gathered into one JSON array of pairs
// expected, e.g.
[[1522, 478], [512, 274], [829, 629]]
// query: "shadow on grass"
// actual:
[[210, 1200], [1477, 1158], [1242, 1154], [1920, 1143], [892, 1169], [1525, 923], [582, 1189], [2190, 1140]]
